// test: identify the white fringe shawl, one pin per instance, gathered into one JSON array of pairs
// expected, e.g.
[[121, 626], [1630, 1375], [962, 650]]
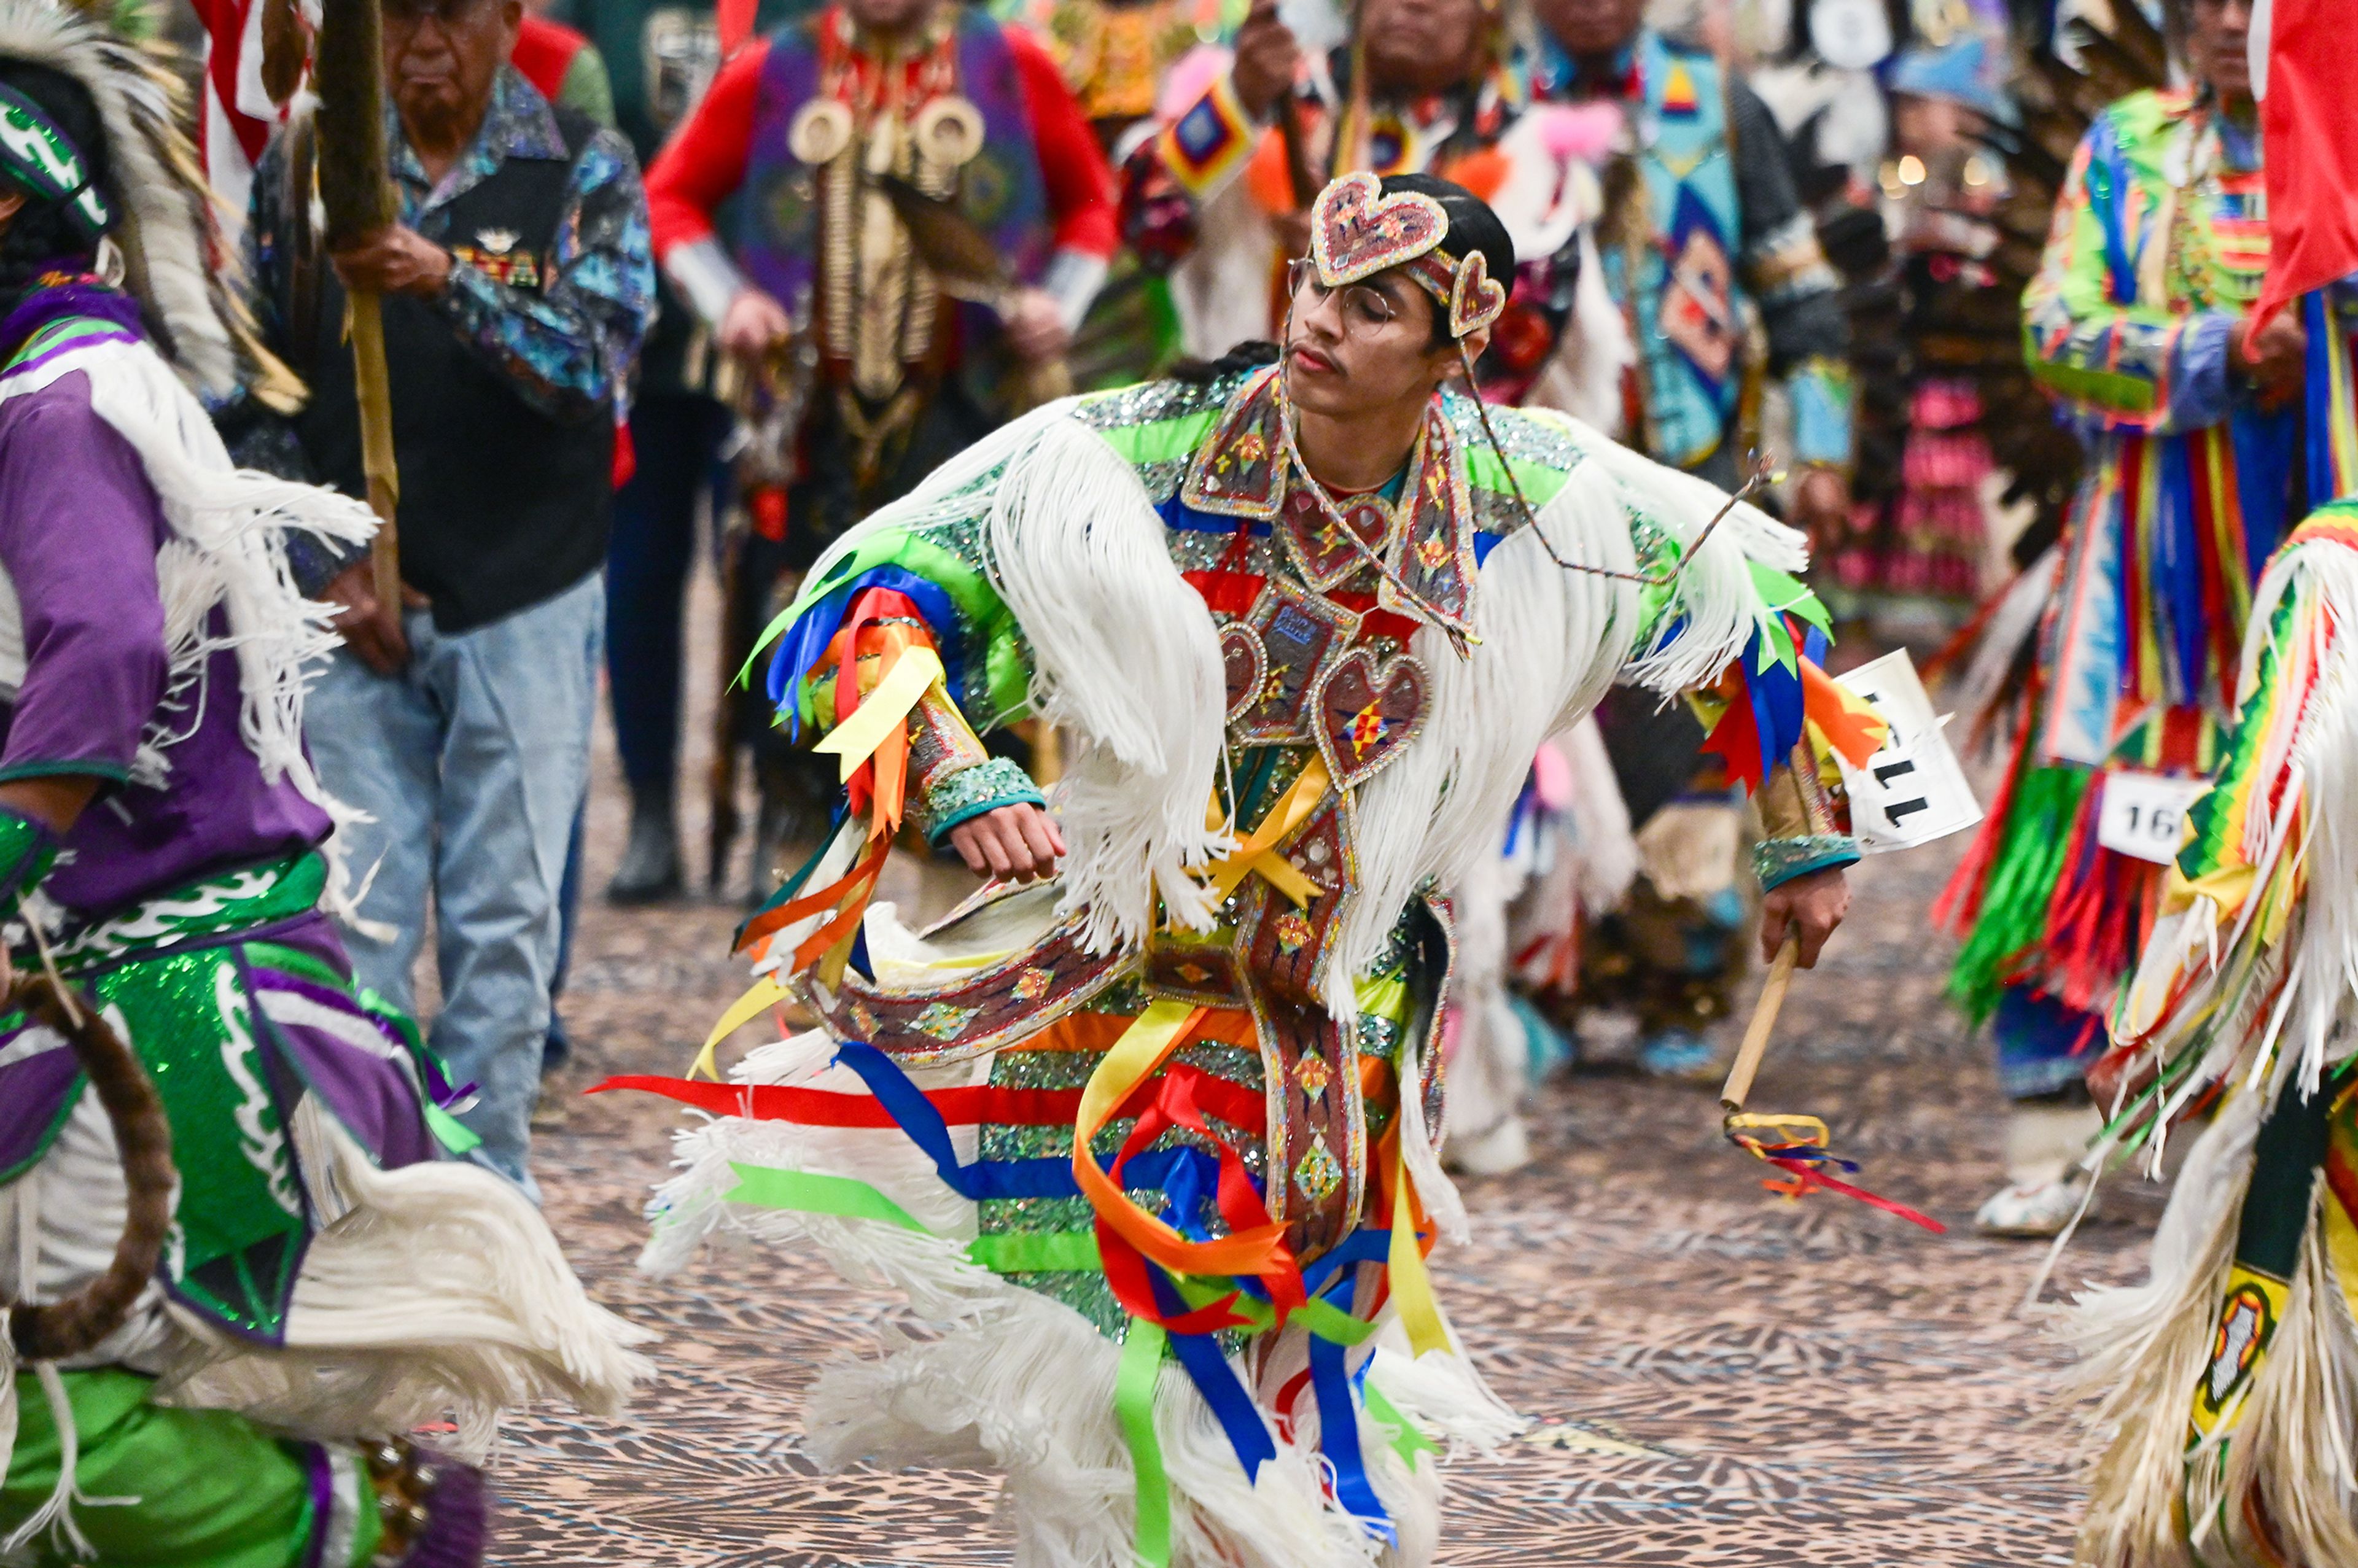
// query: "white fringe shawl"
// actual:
[[1552, 641], [1125, 656], [1013, 1381], [433, 1292], [228, 551]]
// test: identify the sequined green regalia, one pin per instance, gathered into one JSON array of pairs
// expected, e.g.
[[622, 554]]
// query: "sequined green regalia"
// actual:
[[1209, 1337]]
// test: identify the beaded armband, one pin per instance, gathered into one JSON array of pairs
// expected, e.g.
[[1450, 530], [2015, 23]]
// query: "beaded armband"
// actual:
[[952, 798], [28, 850], [1779, 860]]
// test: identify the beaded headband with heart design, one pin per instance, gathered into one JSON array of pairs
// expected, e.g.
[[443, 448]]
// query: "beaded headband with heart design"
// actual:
[[1357, 232]]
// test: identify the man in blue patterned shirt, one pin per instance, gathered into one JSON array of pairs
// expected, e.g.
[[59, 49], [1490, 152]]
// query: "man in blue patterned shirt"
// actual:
[[517, 286]]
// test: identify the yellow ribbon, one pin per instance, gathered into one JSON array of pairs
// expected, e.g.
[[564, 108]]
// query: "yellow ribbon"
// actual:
[[766, 994], [903, 687], [1151, 1035], [1412, 1283], [1258, 854]]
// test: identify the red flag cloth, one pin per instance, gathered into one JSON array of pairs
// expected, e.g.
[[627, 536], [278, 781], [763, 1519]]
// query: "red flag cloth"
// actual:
[[234, 115], [545, 51], [2311, 140]]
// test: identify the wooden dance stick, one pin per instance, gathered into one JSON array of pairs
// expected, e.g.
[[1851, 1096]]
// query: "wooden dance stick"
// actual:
[[1764, 1022]]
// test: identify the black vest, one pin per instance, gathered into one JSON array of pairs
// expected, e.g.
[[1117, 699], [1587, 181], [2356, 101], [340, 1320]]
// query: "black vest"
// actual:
[[502, 505]]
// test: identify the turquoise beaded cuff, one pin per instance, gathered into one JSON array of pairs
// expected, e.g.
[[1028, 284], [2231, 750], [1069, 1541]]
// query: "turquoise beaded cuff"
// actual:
[[1779, 860], [970, 792], [28, 850]]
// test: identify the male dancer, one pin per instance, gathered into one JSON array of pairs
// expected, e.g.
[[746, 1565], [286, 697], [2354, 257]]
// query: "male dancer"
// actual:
[[2197, 465], [327, 1283], [1308, 624], [2227, 1379]]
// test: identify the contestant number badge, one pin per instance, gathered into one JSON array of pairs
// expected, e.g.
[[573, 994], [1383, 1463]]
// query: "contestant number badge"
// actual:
[[2143, 815], [1912, 790]]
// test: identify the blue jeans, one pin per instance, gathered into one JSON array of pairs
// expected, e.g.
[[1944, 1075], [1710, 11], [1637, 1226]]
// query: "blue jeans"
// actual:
[[472, 761]]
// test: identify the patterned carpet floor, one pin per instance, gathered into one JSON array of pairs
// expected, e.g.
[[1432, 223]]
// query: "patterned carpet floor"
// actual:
[[1717, 1378]]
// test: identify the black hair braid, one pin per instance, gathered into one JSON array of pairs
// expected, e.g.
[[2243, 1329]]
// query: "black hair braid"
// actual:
[[42, 236], [1250, 354]]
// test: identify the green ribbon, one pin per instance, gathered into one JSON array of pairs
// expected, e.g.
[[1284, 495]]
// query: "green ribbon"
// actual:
[[1134, 1404], [767, 1188], [1407, 1441], [1038, 1252], [448, 1129]]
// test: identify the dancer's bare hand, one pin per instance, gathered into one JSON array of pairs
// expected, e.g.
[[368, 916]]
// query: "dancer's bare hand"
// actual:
[[1266, 58], [394, 260], [1808, 907], [2280, 354], [1822, 506], [1015, 843], [1035, 327]]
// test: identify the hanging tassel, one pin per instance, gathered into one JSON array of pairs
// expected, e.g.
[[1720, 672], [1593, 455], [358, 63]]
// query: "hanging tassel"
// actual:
[[56, 1516]]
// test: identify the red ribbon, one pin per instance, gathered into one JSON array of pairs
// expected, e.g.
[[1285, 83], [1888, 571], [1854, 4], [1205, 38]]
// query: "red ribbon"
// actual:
[[1808, 1176], [1232, 1103]]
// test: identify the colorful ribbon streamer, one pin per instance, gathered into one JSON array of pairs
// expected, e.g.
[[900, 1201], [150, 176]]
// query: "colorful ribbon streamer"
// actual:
[[1258, 853], [1802, 1153], [1133, 1405]]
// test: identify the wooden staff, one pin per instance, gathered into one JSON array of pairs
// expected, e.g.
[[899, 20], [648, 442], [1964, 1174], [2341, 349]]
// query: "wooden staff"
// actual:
[[357, 194], [1764, 1024], [1297, 152]]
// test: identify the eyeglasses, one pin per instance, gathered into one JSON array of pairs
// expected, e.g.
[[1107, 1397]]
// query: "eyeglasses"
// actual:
[[1363, 309]]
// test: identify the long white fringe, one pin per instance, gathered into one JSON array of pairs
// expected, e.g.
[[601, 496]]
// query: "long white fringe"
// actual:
[[1124, 655], [2144, 1346], [1552, 641], [433, 1292]]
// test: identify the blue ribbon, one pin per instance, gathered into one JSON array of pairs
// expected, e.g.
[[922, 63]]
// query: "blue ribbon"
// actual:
[[2106, 173], [2324, 339], [1177, 514], [1184, 1174], [2177, 573], [1213, 1378], [2267, 447], [1338, 1438]]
